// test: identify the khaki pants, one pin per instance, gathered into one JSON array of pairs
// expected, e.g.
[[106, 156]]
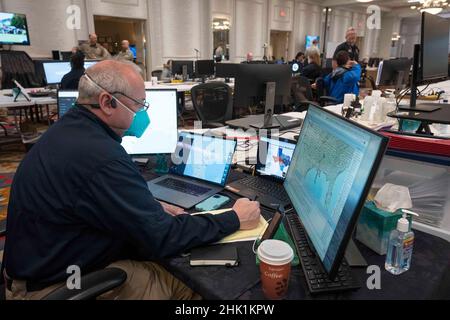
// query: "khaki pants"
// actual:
[[145, 281]]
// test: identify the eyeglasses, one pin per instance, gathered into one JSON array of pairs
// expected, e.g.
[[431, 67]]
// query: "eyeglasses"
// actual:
[[144, 105]]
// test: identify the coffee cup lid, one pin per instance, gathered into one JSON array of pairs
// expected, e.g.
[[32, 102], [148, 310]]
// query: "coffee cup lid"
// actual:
[[275, 252]]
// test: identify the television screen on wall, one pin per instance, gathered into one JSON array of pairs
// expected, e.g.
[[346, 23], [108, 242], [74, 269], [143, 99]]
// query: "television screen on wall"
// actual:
[[14, 29], [310, 40]]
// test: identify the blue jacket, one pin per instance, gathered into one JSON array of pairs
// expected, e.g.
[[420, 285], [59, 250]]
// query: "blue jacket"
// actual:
[[78, 199], [338, 85]]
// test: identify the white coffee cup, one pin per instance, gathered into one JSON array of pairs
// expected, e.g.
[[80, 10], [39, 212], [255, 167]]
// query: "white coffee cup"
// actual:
[[275, 267], [154, 81]]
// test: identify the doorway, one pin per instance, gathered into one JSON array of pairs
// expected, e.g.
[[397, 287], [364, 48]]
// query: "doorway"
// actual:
[[111, 31], [279, 44]]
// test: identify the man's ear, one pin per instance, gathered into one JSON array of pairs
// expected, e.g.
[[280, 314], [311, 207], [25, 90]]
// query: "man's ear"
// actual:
[[107, 103]]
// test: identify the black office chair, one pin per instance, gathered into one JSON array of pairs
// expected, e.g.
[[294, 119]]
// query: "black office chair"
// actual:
[[93, 285], [323, 99], [213, 103], [301, 93]]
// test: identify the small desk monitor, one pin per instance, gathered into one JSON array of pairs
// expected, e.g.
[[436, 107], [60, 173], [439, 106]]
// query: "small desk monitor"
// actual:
[[162, 135], [205, 68], [56, 70], [331, 173], [66, 100], [394, 72], [177, 67]]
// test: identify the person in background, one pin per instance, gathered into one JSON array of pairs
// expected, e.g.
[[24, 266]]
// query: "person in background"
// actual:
[[300, 60], [313, 69], [344, 78], [125, 53], [349, 45], [94, 50], [71, 80], [249, 57], [167, 71]]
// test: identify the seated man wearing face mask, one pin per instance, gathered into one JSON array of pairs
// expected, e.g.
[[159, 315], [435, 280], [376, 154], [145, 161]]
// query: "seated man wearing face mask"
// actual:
[[79, 200]]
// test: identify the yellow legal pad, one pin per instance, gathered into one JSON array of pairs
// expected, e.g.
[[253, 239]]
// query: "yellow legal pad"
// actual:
[[240, 236]]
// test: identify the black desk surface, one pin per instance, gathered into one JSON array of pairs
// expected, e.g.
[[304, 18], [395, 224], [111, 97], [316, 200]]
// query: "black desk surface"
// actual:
[[428, 278], [441, 116]]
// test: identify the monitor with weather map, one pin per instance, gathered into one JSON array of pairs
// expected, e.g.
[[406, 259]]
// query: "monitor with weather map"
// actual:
[[330, 176]]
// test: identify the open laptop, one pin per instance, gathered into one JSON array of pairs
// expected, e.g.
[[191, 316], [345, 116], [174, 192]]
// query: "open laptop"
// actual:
[[202, 166], [274, 159]]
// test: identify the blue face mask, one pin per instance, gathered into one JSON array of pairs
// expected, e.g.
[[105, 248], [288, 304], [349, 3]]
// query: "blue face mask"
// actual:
[[140, 123]]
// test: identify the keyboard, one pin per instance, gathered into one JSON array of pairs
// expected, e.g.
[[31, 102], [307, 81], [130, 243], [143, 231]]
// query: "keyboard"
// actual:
[[316, 277], [266, 187], [184, 187]]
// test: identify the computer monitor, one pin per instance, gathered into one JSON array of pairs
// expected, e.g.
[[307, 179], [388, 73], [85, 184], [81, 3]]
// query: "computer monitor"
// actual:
[[14, 29], [227, 70], [394, 72], [310, 40], [208, 158], [251, 84], [434, 47], [177, 68], [430, 62], [66, 100], [162, 134], [133, 50], [204, 68], [331, 173], [56, 70], [274, 157]]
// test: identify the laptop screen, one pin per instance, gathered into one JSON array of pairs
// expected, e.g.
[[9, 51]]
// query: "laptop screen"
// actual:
[[203, 157], [274, 157], [66, 100]]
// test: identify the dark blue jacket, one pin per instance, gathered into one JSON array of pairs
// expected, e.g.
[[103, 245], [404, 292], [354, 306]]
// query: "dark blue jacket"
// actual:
[[347, 82], [78, 199]]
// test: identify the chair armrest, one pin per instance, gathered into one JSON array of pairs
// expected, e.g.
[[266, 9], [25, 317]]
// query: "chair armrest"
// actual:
[[93, 285]]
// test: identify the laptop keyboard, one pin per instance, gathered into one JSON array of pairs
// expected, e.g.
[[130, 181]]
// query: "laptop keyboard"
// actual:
[[184, 187], [266, 187]]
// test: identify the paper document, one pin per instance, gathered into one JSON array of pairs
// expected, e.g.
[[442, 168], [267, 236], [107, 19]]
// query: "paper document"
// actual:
[[240, 236]]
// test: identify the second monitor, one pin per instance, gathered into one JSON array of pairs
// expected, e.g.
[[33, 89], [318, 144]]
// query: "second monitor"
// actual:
[[180, 67]]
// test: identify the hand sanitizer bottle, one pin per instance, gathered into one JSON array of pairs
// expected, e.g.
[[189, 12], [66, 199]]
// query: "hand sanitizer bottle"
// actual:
[[400, 249]]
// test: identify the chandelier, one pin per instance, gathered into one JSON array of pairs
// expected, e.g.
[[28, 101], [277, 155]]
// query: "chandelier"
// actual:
[[430, 6]]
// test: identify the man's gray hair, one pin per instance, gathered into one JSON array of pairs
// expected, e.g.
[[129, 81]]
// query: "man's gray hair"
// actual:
[[107, 78]]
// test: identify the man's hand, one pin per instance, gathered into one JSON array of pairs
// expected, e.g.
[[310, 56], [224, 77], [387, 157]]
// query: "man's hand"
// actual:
[[172, 210], [249, 213]]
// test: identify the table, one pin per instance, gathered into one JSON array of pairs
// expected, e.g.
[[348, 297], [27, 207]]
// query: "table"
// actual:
[[427, 279], [23, 104]]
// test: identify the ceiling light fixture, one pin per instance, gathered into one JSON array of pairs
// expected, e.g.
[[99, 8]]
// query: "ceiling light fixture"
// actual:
[[430, 6]]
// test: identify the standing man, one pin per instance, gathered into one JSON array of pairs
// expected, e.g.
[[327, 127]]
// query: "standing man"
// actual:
[[125, 53], [93, 50], [349, 45]]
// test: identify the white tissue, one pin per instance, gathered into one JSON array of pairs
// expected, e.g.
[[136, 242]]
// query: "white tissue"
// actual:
[[392, 197]]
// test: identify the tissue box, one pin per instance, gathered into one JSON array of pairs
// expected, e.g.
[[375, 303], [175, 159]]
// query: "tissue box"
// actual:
[[375, 226]]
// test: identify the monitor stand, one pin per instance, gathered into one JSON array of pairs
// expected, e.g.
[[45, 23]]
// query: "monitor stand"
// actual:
[[353, 256], [269, 121], [414, 107]]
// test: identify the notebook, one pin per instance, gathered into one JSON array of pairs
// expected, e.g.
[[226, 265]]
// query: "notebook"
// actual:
[[217, 255], [242, 235]]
